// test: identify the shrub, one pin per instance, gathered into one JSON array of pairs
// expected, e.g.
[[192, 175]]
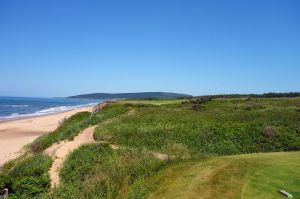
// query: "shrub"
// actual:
[[5, 182], [295, 147], [269, 132], [30, 177], [197, 104], [31, 186], [201, 100]]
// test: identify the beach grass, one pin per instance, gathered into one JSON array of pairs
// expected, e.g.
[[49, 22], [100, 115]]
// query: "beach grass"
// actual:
[[219, 126], [28, 178], [71, 127], [98, 171], [68, 129]]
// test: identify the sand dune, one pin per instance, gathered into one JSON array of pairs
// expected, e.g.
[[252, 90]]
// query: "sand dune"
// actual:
[[17, 133]]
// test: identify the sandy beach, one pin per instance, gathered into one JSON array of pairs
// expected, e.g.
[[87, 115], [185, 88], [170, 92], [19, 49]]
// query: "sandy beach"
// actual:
[[17, 133]]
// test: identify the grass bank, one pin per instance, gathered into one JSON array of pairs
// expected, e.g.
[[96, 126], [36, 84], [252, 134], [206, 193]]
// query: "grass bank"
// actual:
[[97, 171], [186, 131], [28, 178], [219, 126], [72, 126]]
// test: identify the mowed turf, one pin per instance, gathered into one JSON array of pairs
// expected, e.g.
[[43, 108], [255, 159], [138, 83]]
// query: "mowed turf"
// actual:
[[244, 176]]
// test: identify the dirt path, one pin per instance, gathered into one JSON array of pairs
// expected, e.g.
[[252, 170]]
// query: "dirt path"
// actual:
[[60, 151]]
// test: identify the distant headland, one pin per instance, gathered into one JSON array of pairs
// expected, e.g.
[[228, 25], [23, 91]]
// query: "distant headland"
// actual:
[[139, 95]]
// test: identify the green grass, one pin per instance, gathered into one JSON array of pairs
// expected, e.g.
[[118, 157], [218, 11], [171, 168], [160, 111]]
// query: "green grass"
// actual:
[[67, 130], [110, 111], [29, 178], [194, 131], [74, 125], [223, 127], [242, 176], [97, 171], [152, 102]]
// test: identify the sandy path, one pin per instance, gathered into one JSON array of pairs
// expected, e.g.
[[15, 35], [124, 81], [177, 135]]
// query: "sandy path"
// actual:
[[60, 151], [17, 133]]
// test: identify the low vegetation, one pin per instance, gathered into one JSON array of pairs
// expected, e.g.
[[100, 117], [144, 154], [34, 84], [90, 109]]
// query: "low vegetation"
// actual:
[[29, 178], [220, 126], [98, 171], [110, 111], [67, 130], [171, 149], [71, 127]]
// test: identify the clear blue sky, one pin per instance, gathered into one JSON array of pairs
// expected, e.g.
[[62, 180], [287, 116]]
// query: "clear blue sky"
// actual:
[[66, 47]]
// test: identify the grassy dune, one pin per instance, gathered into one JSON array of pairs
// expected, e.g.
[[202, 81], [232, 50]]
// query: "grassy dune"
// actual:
[[74, 125], [98, 171], [242, 176], [220, 126], [27, 176], [196, 137]]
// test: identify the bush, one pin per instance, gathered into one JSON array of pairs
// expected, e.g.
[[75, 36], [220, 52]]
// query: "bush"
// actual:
[[201, 100], [5, 182], [30, 177], [197, 104], [31, 186], [269, 132]]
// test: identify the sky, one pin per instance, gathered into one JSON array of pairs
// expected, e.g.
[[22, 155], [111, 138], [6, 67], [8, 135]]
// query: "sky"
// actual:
[[52, 48]]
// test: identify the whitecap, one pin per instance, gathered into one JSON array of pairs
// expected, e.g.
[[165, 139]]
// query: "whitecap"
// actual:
[[15, 106]]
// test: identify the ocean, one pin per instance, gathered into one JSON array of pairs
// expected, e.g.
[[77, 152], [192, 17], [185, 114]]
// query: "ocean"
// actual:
[[22, 107]]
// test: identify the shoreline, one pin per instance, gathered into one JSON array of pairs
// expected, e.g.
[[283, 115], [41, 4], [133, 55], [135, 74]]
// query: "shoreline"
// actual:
[[16, 133], [31, 115]]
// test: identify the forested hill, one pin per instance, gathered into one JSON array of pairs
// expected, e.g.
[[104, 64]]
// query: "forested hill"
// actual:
[[164, 95]]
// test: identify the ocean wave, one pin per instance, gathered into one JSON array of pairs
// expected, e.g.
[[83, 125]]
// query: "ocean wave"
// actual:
[[46, 111], [15, 106]]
